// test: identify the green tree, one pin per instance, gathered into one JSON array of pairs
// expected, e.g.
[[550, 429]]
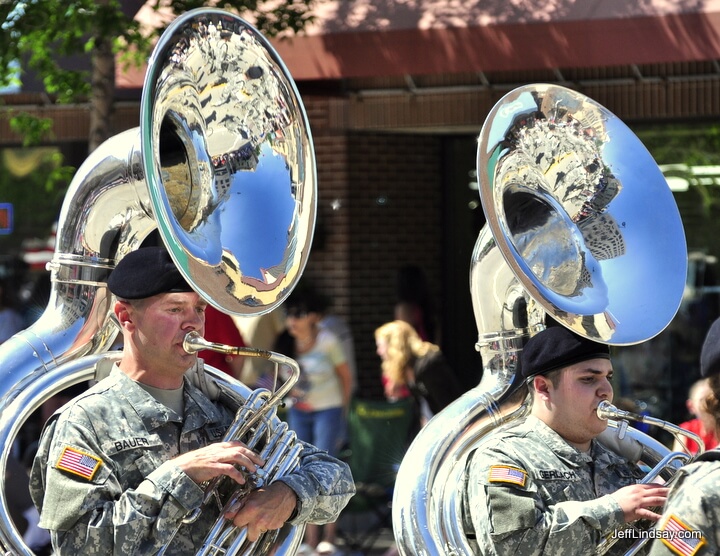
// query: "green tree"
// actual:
[[44, 34], [44, 42], [688, 146]]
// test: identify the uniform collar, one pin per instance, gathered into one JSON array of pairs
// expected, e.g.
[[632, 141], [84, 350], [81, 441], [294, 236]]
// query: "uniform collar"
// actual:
[[559, 446], [599, 455], [199, 411]]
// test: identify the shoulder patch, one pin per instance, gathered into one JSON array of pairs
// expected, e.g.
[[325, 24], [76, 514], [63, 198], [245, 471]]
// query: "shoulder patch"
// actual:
[[78, 463], [680, 538], [507, 474]]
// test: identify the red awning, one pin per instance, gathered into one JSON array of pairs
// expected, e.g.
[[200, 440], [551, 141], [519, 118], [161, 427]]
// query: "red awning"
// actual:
[[361, 39], [505, 47]]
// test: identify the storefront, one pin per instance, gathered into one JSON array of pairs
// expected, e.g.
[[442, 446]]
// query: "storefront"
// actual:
[[396, 96]]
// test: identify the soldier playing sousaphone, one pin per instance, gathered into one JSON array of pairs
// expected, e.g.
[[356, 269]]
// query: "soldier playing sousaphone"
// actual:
[[121, 465], [546, 485]]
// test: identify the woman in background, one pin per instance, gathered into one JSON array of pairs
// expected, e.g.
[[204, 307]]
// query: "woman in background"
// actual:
[[412, 366], [321, 398], [414, 303], [702, 422]]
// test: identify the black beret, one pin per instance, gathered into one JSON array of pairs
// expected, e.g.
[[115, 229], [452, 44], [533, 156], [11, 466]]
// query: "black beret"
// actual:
[[710, 353], [557, 347], [146, 272]]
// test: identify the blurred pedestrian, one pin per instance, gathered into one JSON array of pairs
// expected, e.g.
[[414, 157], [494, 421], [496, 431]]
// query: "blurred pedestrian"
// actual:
[[413, 302], [321, 398], [702, 422], [333, 322], [411, 365]]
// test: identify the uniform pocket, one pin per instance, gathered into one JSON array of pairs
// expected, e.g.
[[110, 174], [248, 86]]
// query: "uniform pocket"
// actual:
[[510, 509], [135, 465]]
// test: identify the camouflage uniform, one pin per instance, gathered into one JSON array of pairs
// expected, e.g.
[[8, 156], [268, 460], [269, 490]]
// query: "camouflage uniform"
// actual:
[[530, 492], [693, 506], [103, 482]]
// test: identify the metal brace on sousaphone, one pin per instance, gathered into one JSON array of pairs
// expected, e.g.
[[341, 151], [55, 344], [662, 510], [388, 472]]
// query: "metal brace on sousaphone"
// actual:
[[223, 167], [581, 227]]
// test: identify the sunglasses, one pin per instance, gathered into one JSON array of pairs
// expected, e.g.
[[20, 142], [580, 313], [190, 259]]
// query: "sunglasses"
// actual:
[[296, 313]]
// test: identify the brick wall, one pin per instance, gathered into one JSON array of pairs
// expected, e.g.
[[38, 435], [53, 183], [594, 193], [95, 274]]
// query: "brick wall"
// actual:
[[378, 209], [380, 179], [396, 221]]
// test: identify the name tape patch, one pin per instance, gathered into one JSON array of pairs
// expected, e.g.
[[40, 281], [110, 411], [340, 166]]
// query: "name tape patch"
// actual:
[[507, 474], [129, 443], [548, 474], [78, 463]]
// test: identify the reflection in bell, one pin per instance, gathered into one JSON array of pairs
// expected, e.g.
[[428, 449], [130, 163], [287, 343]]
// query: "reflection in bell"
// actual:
[[567, 190], [232, 165]]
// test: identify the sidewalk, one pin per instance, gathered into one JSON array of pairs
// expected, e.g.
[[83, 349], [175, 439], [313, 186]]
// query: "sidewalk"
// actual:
[[364, 534], [379, 547]]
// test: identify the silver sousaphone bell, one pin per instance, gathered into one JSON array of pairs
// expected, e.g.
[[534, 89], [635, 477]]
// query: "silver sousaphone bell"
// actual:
[[230, 161]]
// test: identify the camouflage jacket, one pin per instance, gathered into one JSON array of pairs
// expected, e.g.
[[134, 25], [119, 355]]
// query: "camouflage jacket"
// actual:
[[529, 492], [104, 482], [690, 524]]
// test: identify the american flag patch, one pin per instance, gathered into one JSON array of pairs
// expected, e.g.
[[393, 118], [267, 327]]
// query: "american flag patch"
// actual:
[[78, 463], [680, 538], [507, 474]]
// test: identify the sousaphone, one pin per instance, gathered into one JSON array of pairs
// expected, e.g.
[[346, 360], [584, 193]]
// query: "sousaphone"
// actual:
[[222, 166]]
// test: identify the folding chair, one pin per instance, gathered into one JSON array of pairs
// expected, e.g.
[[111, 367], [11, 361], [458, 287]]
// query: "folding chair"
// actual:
[[379, 433]]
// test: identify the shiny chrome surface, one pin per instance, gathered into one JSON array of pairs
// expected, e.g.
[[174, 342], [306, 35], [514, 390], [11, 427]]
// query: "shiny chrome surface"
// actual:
[[17, 409], [222, 165], [581, 227], [230, 162], [602, 214], [101, 211], [607, 411]]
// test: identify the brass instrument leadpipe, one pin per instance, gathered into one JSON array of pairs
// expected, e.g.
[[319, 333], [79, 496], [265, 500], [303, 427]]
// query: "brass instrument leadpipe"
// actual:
[[607, 410], [194, 342]]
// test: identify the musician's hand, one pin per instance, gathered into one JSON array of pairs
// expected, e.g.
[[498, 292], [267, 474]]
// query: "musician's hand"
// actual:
[[218, 459], [638, 500], [264, 509]]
